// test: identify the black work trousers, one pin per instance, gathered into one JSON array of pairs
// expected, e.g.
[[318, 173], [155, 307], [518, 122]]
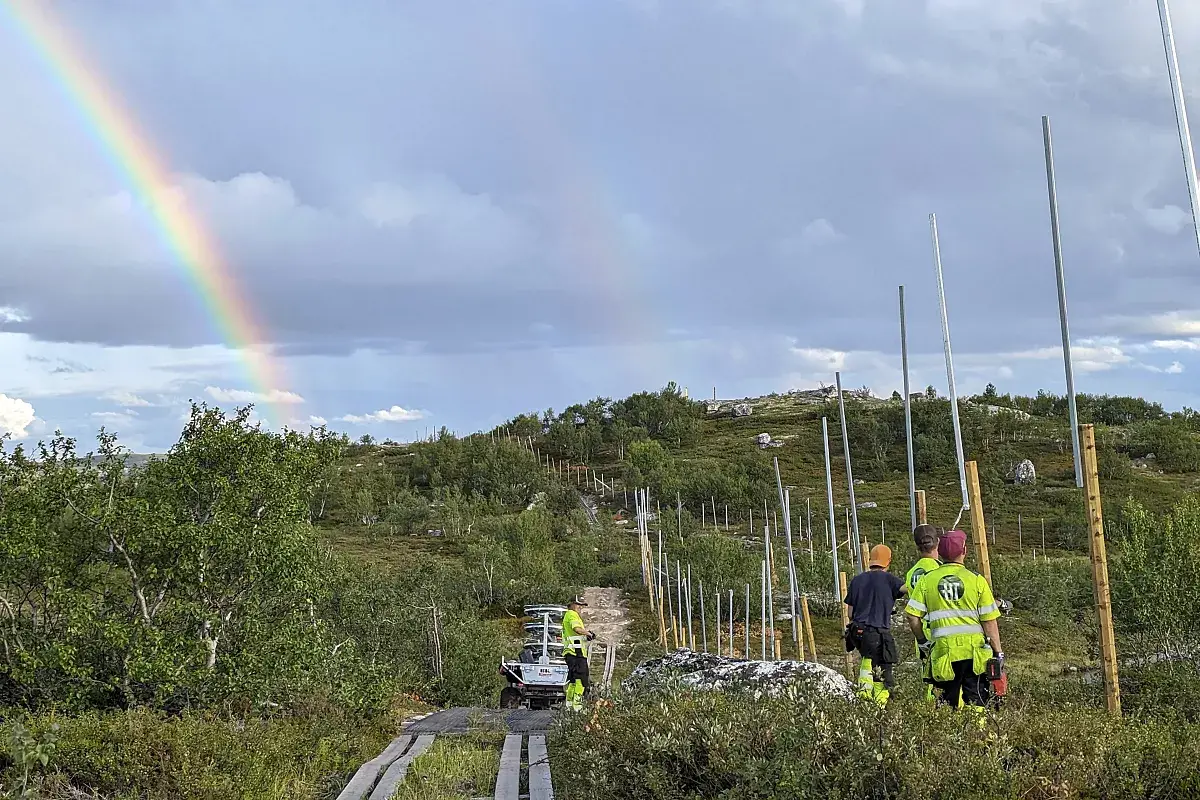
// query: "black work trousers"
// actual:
[[975, 690], [577, 669], [878, 645]]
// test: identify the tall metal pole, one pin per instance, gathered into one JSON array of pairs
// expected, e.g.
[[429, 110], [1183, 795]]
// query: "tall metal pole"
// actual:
[[958, 445], [787, 529], [832, 515], [792, 592], [762, 607], [856, 556], [747, 622], [704, 618], [731, 624], [1062, 301], [1181, 120], [908, 434]]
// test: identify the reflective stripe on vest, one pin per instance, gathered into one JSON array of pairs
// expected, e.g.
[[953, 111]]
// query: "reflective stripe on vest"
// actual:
[[952, 603]]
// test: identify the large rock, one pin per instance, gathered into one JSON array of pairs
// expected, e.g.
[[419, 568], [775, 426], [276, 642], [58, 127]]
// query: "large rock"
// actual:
[[706, 672], [741, 409], [1024, 474]]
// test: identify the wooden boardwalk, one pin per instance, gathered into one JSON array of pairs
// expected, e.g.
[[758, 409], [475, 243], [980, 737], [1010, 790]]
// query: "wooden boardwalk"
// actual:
[[379, 778]]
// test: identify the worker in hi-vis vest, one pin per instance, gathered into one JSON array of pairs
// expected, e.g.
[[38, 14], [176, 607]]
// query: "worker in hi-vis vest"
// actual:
[[961, 612], [575, 651], [925, 537]]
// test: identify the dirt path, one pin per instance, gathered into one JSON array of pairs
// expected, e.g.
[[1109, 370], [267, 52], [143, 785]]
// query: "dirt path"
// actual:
[[605, 614]]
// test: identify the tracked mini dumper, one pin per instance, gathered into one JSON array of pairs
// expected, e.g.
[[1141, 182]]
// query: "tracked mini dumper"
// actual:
[[538, 678]]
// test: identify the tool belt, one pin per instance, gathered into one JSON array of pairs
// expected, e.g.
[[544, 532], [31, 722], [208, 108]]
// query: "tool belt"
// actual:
[[876, 644]]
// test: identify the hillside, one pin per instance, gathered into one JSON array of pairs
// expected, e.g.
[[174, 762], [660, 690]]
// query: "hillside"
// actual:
[[268, 609]]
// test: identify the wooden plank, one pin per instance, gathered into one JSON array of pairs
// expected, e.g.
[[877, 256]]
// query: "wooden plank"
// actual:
[[1099, 557], [978, 525], [394, 776], [540, 785], [808, 629], [365, 778], [851, 666], [508, 779], [921, 513]]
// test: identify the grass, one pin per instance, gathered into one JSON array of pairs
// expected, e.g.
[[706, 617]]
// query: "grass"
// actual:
[[455, 767]]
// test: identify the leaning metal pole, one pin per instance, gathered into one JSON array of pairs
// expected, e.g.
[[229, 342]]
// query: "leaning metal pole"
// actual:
[[1062, 301], [958, 445], [837, 586], [1181, 120], [787, 529], [856, 555], [908, 434]]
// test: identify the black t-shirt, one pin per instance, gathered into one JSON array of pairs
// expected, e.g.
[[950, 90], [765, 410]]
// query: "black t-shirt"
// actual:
[[871, 595]]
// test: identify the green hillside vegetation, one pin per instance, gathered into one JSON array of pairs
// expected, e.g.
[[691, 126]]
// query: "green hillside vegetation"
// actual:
[[253, 614]]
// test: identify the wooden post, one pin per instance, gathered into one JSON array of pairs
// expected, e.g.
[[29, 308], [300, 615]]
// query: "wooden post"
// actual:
[[851, 669], [978, 525], [921, 515], [1099, 558], [866, 553], [808, 629]]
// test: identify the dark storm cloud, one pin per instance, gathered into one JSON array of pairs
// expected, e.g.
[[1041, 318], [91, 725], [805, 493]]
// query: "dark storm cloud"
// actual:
[[488, 177]]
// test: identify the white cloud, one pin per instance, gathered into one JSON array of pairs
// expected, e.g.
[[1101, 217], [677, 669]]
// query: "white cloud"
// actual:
[[820, 358], [16, 416], [318, 421], [1168, 219], [1175, 368], [818, 233], [126, 399], [243, 396], [10, 314], [115, 417], [393, 414]]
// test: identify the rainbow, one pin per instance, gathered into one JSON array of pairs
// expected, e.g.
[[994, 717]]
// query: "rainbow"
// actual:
[[134, 158]]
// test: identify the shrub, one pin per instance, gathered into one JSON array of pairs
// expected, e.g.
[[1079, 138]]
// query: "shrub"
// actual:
[[735, 746]]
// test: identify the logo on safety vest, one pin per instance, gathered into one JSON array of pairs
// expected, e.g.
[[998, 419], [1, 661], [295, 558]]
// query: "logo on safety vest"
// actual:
[[951, 588], [918, 573]]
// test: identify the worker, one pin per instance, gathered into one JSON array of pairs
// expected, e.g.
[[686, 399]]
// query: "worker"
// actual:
[[575, 651], [871, 597], [958, 606], [925, 537]]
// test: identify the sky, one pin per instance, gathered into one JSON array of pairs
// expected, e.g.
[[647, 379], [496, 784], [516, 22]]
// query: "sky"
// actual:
[[447, 214]]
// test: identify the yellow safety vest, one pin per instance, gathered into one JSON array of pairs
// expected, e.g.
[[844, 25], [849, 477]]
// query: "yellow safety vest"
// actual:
[[573, 643], [919, 570], [954, 602]]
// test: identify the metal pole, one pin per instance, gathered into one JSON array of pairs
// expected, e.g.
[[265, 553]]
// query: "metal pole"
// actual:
[[771, 605], [731, 623], [958, 445], [679, 597], [747, 622], [829, 499], [908, 435], [1181, 120], [718, 622], [1062, 300], [691, 633], [787, 502], [762, 608], [703, 619], [787, 529], [857, 555]]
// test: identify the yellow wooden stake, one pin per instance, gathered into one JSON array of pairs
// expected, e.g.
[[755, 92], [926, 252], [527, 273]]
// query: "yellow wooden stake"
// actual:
[[1099, 558], [921, 513], [978, 525], [808, 629]]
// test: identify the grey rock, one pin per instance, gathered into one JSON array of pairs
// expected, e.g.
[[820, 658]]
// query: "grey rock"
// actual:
[[869, 504], [741, 410], [707, 672], [1024, 474]]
